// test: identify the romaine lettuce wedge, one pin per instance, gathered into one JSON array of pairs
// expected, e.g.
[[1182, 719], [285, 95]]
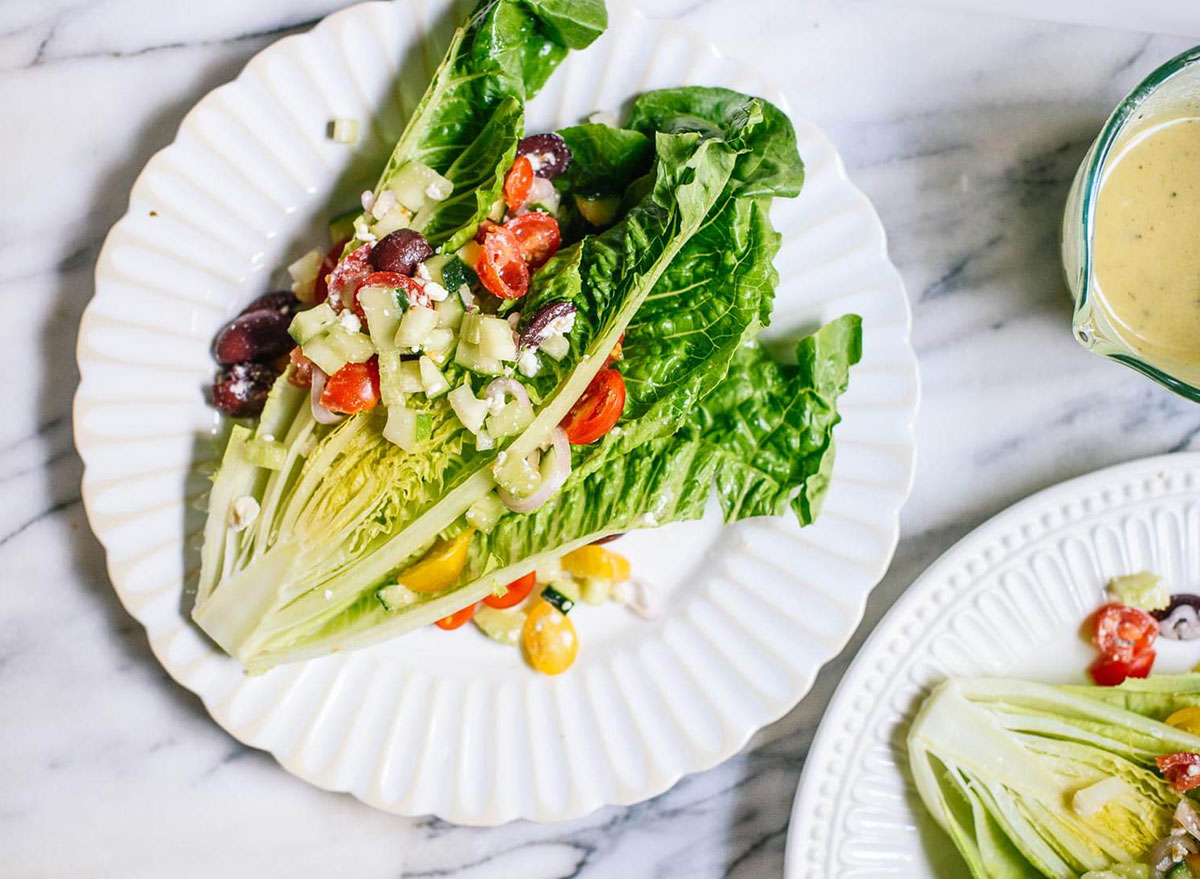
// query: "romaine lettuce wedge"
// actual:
[[1011, 770]]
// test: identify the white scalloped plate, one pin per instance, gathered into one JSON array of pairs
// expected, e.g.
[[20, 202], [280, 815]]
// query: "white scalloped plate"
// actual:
[[451, 723], [1008, 599]]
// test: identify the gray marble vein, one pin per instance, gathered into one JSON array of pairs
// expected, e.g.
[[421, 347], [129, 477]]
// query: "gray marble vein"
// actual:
[[964, 129]]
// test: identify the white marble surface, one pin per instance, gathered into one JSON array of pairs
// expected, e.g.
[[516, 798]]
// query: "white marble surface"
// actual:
[[963, 128]]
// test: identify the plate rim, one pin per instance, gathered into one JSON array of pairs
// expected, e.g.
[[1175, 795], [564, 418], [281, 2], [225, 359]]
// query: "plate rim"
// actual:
[[953, 560], [863, 206]]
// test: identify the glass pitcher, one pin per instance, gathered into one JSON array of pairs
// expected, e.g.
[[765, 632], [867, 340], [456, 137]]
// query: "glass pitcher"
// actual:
[[1172, 90]]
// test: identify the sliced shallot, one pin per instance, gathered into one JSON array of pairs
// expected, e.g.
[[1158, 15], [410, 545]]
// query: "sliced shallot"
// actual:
[[320, 414], [560, 469]]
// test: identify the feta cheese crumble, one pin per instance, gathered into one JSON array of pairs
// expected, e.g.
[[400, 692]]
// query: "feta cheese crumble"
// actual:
[[350, 322], [528, 363]]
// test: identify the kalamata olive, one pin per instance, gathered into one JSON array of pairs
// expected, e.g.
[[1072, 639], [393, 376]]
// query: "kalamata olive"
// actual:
[[257, 336], [1180, 620], [283, 301], [241, 390], [608, 539], [550, 318], [548, 152], [400, 251]]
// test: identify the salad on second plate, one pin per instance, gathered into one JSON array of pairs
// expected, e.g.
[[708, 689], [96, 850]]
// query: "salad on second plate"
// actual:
[[520, 347]]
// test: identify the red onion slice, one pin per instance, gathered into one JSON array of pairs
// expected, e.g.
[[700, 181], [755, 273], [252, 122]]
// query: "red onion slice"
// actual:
[[320, 414], [551, 482], [510, 386]]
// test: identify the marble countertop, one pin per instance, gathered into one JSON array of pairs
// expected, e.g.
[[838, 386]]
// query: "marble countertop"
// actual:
[[963, 128]]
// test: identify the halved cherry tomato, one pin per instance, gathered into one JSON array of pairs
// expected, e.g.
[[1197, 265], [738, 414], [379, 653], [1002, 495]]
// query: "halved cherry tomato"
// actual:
[[457, 618], [321, 290], [595, 413], [1186, 719], [517, 591], [549, 639], [1181, 769], [413, 290], [1123, 632], [344, 278], [353, 388], [302, 367], [500, 266], [1109, 671], [538, 235], [440, 566], [517, 183]]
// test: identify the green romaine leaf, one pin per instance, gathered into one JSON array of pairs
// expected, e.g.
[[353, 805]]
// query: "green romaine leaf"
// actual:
[[774, 423], [770, 166], [605, 160]]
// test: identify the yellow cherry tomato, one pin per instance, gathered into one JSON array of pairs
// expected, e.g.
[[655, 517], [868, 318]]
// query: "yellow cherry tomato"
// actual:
[[596, 561], [549, 639], [439, 568], [1186, 719]]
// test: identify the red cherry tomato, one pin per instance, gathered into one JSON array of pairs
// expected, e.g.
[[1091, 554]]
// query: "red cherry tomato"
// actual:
[[517, 183], [1123, 632], [595, 413], [301, 375], [500, 266], [331, 260], [413, 290], [353, 388], [344, 278], [1109, 671], [538, 235], [1181, 769], [458, 618], [518, 591]]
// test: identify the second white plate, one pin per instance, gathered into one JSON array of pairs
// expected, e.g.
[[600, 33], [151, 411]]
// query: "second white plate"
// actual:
[[450, 723], [1008, 600]]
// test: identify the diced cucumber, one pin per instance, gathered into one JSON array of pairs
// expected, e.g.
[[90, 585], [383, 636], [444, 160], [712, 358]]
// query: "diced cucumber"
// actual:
[[510, 420], [407, 428], [269, 454], [391, 370], [438, 345], [396, 218], [496, 213], [449, 313], [470, 410], [431, 378], [469, 254], [409, 377], [353, 347], [320, 352], [396, 596], [311, 323], [383, 315], [304, 273], [344, 130], [595, 590], [468, 357], [486, 512], [555, 347], [484, 441], [455, 275], [516, 475], [416, 183], [341, 227], [468, 330], [502, 625], [415, 326], [496, 339]]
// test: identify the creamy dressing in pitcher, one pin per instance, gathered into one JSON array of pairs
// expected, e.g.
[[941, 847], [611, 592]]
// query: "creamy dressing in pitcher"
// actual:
[[1147, 241]]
